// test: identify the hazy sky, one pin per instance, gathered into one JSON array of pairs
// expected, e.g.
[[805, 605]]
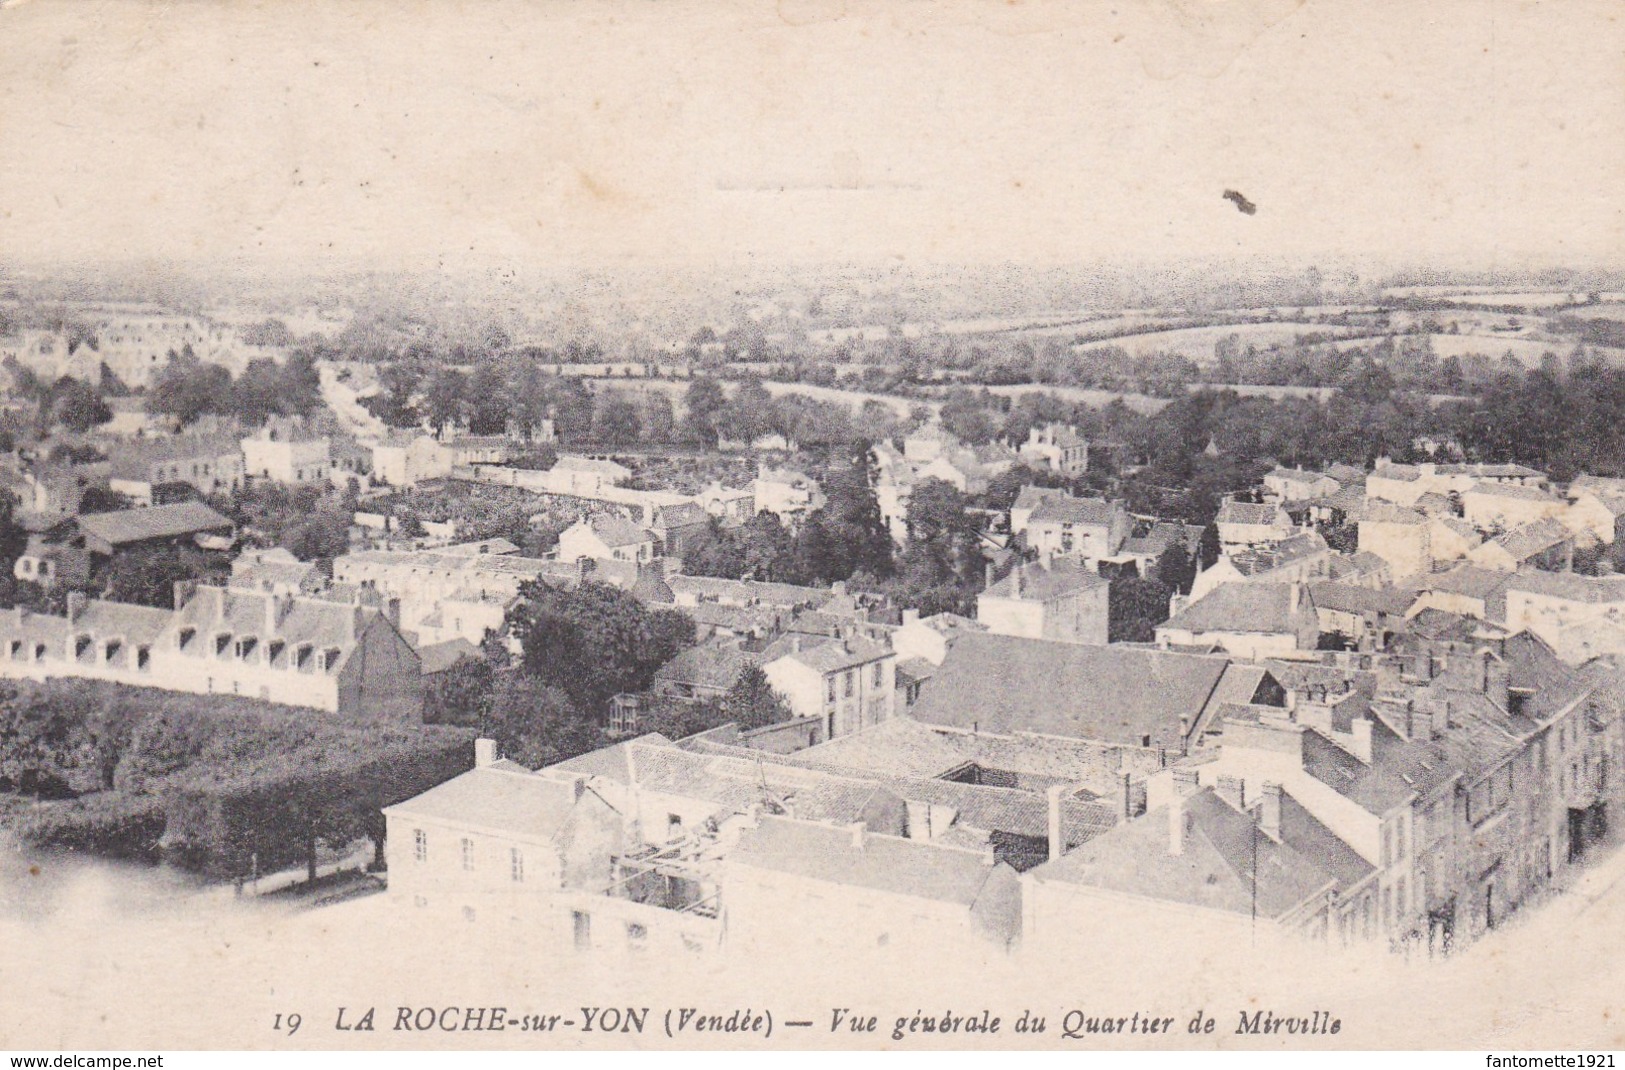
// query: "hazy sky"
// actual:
[[1475, 133]]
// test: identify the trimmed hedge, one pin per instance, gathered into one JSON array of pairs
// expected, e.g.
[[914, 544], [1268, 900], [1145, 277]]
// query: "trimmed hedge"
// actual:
[[108, 823]]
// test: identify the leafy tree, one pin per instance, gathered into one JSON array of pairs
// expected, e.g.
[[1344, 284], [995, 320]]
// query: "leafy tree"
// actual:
[[848, 533], [1137, 606], [147, 576], [77, 407], [489, 406], [752, 702], [703, 403], [616, 420], [594, 641], [446, 399], [1175, 570], [187, 388]]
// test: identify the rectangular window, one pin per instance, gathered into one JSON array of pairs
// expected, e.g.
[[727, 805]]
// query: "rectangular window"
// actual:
[[420, 845], [850, 678], [516, 865], [468, 853], [880, 673], [830, 688]]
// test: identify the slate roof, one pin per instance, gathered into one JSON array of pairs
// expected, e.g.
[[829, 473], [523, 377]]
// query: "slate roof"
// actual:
[[1005, 684], [127, 526], [495, 800], [737, 784], [1254, 608], [1381, 512], [683, 515], [612, 762], [1255, 562]]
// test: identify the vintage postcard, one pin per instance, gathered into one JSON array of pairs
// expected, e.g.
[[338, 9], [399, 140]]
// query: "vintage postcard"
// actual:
[[812, 524]]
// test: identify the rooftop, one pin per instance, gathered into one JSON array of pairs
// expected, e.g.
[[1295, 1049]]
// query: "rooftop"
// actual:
[[153, 522], [1254, 608], [1033, 582]]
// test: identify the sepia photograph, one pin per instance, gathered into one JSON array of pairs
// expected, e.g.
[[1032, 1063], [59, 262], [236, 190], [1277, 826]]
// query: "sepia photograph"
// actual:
[[783, 525]]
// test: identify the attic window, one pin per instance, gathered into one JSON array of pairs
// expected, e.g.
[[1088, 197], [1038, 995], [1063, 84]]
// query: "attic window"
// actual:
[[221, 641], [110, 651], [301, 655], [80, 645], [246, 646], [330, 658], [274, 649], [39, 651], [186, 637], [143, 657]]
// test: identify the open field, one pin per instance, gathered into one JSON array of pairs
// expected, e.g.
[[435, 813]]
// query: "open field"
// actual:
[[1198, 343]]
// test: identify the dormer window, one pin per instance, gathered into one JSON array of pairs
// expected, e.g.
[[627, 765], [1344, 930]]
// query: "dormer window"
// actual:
[[39, 651], [273, 649], [16, 650], [301, 656], [245, 646], [186, 637], [110, 651], [80, 645], [143, 658], [330, 658], [222, 641]]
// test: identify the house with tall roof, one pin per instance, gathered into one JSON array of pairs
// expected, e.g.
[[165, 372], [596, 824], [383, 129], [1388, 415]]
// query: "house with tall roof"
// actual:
[[1596, 507], [1062, 600], [1029, 499], [606, 537], [847, 682], [1500, 506], [1581, 617], [1399, 535], [405, 458], [287, 451], [1251, 524], [1544, 544], [1086, 529], [209, 464], [1058, 447], [1294, 484], [1299, 559], [1248, 620]]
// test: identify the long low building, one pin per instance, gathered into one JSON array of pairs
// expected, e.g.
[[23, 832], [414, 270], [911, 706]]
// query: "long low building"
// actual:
[[300, 651]]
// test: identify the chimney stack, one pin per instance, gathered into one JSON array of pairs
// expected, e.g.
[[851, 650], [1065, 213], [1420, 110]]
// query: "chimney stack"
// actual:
[[1269, 811], [1176, 824], [858, 830], [1361, 744], [1057, 842], [485, 753]]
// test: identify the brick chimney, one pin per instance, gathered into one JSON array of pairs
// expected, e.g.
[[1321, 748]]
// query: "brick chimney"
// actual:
[[486, 753], [1269, 811]]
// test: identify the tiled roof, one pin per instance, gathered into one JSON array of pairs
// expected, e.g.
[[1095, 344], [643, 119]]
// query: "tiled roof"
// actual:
[[1032, 497], [1398, 769], [1076, 511], [673, 516], [826, 657], [748, 592], [1469, 580], [913, 868], [612, 761], [1512, 490], [1381, 512], [1524, 542], [1234, 512], [1215, 868], [1004, 684], [495, 800], [153, 522], [737, 785], [708, 666], [438, 657], [1348, 598], [1034, 582], [1263, 608], [1570, 586], [1255, 562], [616, 530]]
